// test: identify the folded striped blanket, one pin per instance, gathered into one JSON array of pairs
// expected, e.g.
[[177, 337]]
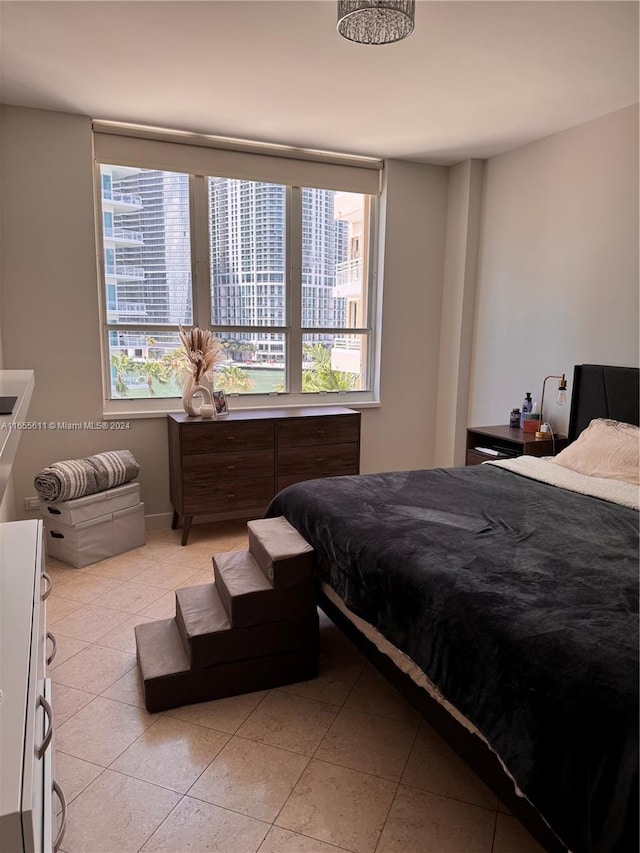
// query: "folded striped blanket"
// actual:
[[74, 478]]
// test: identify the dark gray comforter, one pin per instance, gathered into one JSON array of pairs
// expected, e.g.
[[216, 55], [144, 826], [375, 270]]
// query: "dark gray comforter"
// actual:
[[519, 601]]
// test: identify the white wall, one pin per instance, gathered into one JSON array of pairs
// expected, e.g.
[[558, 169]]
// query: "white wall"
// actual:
[[7, 504], [49, 316], [50, 303], [558, 265], [458, 307], [400, 434]]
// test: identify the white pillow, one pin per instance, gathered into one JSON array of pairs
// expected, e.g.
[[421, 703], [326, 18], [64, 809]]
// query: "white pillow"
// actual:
[[606, 448]]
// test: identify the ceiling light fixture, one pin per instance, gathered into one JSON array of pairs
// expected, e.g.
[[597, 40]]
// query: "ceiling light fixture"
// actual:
[[376, 21]]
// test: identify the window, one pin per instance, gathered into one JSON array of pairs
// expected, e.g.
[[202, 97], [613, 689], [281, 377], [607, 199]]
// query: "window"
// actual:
[[280, 273]]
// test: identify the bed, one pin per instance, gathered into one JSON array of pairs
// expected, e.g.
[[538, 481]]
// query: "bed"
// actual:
[[503, 600]]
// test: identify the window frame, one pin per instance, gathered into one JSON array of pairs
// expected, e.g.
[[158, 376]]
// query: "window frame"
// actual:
[[293, 331]]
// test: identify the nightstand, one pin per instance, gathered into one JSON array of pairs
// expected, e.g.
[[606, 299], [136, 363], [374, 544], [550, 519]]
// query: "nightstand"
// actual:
[[508, 443]]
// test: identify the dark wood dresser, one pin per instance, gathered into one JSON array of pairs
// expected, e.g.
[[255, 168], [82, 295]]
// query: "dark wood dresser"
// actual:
[[233, 466]]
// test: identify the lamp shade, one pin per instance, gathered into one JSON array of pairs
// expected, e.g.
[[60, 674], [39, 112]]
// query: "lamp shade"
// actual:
[[376, 21]]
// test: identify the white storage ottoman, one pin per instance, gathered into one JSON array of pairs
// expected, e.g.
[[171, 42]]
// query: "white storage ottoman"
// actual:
[[92, 506], [96, 539]]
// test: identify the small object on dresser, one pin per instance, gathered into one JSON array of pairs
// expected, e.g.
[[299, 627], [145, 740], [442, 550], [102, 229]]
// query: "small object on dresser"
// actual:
[[220, 403], [514, 418], [527, 407], [201, 352]]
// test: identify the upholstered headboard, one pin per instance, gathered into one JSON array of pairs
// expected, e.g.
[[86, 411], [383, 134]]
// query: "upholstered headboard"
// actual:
[[602, 391]]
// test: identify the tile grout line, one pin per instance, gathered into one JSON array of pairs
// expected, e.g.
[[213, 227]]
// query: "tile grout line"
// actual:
[[495, 830], [51, 670], [399, 782], [209, 728], [83, 639], [386, 820], [309, 760], [447, 797], [62, 584], [313, 756], [311, 838]]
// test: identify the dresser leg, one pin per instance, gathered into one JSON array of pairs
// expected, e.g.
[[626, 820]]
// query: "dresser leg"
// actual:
[[175, 519], [186, 527]]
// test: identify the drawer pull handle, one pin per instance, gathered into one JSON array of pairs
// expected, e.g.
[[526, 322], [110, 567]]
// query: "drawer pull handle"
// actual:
[[319, 459], [53, 650], [49, 583], [63, 822], [231, 438], [231, 495], [231, 467], [40, 751], [320, 432]]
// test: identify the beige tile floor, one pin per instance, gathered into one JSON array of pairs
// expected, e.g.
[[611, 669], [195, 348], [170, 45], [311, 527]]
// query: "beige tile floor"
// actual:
[[341, 762]]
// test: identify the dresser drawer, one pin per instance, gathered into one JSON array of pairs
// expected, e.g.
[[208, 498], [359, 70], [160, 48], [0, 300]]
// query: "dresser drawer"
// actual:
[[26, 722], [318, 461], [223, 497], [329, 429], [223, 436], [204, 470]]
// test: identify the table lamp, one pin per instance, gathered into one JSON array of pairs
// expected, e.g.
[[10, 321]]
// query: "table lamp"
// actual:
[[561, 399]]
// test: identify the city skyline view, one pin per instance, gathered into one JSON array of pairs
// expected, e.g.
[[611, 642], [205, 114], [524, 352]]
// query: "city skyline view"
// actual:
[[147, 243]]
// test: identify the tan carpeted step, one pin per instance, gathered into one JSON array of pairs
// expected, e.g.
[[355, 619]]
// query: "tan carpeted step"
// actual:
[[286, 559], [248, 597], [168, 683], [209, 639]]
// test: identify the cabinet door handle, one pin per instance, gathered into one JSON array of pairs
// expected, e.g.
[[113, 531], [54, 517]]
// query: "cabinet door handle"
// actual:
[[53, 650], [49, 583], [40, 751], [63, 823]]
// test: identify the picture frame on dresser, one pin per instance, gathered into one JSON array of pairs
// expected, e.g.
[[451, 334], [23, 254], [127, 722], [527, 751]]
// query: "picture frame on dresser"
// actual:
[[220, 404]]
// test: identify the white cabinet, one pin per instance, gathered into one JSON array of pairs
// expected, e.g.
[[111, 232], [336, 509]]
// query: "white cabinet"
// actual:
[[26, 718]]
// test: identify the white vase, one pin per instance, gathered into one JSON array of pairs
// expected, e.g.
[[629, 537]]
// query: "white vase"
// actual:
[[194, 397]]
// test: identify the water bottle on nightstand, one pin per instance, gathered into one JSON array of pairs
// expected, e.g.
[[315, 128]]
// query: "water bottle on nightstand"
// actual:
[[527, 406]]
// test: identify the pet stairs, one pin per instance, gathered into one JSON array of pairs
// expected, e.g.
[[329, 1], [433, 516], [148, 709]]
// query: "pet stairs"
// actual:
[[254, 627]]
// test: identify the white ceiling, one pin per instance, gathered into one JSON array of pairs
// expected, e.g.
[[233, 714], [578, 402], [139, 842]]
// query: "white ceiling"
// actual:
[[474, 79]]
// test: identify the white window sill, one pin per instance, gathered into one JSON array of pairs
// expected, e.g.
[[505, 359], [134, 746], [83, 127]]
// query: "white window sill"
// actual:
[[146, 408]]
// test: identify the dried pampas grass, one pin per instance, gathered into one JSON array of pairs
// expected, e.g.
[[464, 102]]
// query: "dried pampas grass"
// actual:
[[202, 352]]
